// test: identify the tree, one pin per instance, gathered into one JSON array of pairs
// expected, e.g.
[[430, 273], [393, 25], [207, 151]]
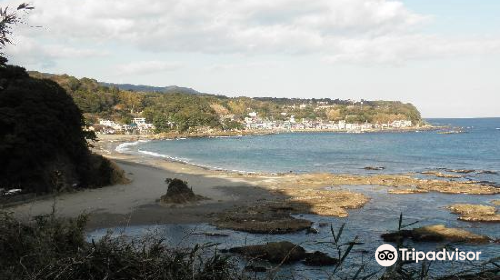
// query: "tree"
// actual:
[[7, 20]]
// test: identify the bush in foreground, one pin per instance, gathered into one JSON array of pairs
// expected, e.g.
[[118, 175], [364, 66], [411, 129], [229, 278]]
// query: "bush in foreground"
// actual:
[[53, 248]]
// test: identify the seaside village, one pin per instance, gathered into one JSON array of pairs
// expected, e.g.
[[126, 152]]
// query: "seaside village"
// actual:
[[252, 122]]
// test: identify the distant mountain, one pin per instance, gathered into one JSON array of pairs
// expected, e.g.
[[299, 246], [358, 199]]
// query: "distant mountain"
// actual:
[[144, 88]]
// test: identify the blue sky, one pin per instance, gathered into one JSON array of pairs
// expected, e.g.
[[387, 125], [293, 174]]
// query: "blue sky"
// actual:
[[459, 17], [441, 55]]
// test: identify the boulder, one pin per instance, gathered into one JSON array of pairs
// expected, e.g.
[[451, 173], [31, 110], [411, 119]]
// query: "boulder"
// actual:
[[312, 230], [475, 212], [435, 233], [406, 191], [463, 171], [489, 172], [375, 168], [440, 174], [283, 252], [179, 192], [319, 259], [261, 220]]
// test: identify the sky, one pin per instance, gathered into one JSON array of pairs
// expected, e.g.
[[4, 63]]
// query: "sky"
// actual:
[[441, 55]]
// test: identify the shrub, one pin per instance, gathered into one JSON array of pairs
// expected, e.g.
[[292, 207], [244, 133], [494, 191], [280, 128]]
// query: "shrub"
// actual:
[[54, 248]]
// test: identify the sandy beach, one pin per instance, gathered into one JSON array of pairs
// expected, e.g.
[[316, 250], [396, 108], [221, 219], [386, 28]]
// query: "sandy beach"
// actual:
[[137, 202]]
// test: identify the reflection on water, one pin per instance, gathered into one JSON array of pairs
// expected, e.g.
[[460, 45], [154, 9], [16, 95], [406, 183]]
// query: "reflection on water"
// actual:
[[376, 217]]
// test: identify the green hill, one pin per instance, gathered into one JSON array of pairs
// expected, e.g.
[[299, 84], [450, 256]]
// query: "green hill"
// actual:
[[42, 145], [191, 111]]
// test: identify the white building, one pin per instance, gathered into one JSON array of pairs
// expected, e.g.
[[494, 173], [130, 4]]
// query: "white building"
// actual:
[[111, 124], [139, 121], [401, 123], [342, 124]]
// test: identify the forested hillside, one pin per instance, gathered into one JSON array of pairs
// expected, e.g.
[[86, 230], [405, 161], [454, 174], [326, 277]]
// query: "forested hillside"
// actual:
[[42, 145], [189, 111]]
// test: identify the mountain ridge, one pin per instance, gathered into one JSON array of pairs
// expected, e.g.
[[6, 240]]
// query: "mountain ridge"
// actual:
[[147, 88]]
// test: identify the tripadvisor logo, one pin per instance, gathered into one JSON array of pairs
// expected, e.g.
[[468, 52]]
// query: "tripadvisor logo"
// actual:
[[387, 255]]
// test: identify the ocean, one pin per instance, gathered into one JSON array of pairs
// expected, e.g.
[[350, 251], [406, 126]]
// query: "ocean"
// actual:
[[478, 148]]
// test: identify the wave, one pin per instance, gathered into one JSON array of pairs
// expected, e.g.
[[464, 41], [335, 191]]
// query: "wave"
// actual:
[[124, 147], [153, 154], [186, 161]]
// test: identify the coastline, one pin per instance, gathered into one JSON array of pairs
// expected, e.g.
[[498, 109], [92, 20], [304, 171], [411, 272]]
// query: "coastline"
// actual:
[[137, 203], [220, 133]]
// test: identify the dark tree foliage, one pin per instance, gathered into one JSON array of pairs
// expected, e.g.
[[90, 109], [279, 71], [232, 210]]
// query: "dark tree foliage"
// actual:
[[54, 248], [42, 145]]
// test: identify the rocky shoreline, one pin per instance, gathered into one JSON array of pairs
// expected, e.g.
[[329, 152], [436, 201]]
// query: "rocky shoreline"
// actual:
[[221, 133]]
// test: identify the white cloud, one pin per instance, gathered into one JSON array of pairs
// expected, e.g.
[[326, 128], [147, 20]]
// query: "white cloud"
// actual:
[[399, 49], [146, 67], [27, 50], [340, 30]]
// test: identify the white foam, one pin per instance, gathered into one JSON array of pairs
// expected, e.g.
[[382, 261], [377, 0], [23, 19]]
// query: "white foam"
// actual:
[[186, 161], [124, 147], [153, 154]]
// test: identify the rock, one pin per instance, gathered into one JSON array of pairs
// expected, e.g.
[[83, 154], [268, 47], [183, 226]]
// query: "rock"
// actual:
[[312, 230], [406, 191], [489, 172], [397, 236], [274, 252], [475, 213], [435, 233], [485, 219], [439, 174], [375, 168], [261, 220], [319, 259], [488, 183], [463, 171], [274, 216], [179, 192], [283, 252], [496, 202], [467, 209], [388, 180], [320, 202]]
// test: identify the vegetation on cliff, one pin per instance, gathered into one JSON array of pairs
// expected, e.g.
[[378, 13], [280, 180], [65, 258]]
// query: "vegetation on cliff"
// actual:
[[180, 110], [42, 144]]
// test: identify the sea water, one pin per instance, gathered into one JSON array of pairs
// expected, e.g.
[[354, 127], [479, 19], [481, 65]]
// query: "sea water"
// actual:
[[478, 148]]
